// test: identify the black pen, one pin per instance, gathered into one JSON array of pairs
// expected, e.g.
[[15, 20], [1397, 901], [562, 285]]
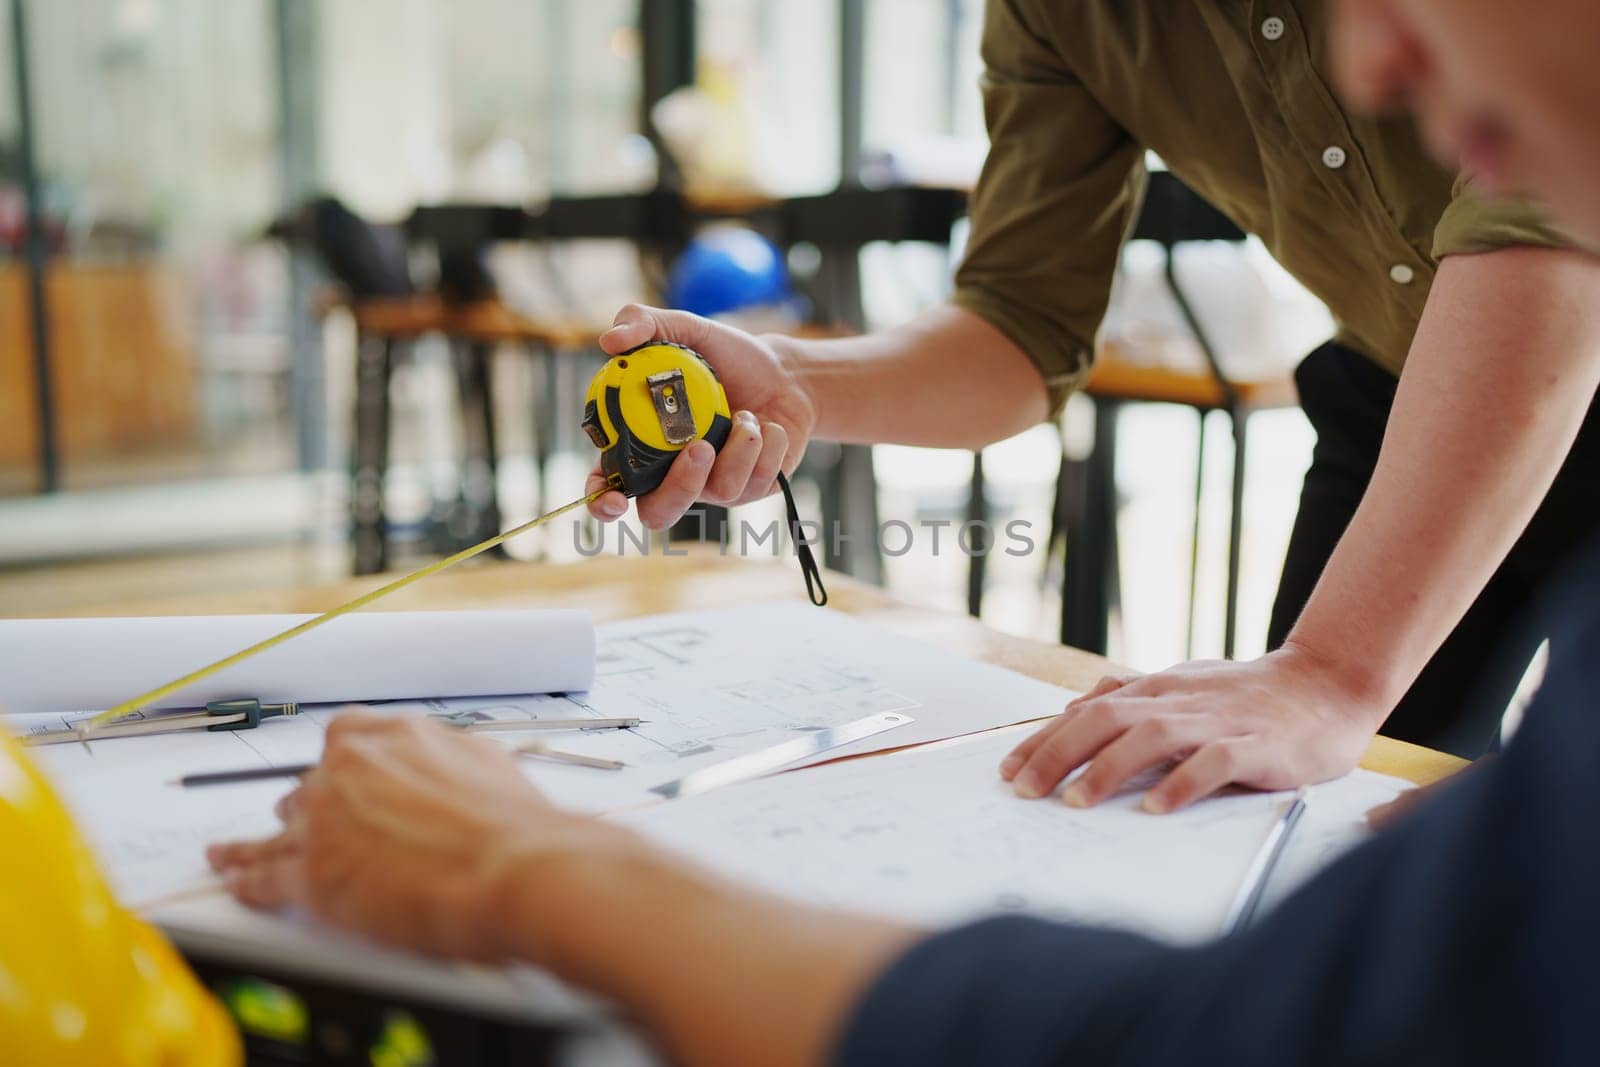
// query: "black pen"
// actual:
[[250, 774]]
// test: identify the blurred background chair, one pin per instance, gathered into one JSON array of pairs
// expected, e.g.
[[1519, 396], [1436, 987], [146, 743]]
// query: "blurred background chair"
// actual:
[[371, 268]]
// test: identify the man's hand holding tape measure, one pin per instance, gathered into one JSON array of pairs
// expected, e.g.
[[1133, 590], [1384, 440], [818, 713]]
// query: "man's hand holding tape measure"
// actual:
[[772, 418], [659, 413]]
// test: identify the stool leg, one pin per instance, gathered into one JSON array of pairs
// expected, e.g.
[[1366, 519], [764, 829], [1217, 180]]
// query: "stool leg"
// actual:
[[1088, 588], [547, 399], [1069, 526], [479, 482], [370, 454], [853, 492], [491, 447], [1235, 530], [1194, 543], [1066, 473]]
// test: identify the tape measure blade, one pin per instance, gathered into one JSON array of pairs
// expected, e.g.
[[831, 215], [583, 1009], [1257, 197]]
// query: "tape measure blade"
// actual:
[[99, 722]]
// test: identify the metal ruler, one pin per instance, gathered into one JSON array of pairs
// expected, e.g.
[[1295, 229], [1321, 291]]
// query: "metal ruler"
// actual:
[[764, 761]]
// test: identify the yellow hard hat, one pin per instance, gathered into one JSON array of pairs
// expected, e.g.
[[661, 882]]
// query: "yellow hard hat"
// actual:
[[82, 979]]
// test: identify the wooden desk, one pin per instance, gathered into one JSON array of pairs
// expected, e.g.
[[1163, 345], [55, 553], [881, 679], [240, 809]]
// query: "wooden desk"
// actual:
[[616, 588]]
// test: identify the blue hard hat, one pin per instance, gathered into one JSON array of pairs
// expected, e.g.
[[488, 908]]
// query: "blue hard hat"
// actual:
[[725, 269]]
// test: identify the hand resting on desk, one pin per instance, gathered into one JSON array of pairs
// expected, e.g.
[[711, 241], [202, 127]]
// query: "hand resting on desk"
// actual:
[[1272, 723]]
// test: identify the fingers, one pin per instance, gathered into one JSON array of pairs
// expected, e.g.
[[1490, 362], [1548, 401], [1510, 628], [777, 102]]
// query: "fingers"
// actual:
[[286, 806], [764, 476], [746, 469], [1384, 816], [731, 472], [1147, 743], [261, 874], [268, 885], [1071, 740], [635, 324], [685, 481], [1212, 766], [243, 853], [608, 508], [1019, 756], [353, 720]]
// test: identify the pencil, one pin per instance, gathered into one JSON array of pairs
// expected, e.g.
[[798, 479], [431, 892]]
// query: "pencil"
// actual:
[[250, 774], [1261, 868], [539, 748]]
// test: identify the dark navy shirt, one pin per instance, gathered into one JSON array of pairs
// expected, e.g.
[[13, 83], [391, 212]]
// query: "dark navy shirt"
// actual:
[[1467, 934]]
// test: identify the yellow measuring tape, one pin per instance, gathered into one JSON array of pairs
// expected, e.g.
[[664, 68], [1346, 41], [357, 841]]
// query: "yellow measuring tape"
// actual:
[[644, 406], [144, 700]]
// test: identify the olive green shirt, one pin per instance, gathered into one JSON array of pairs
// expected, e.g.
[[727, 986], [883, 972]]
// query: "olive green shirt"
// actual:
[[1234, 97]]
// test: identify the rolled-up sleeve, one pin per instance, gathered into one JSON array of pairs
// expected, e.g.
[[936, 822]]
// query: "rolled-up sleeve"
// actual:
[[1476, 222], [1061, 183]]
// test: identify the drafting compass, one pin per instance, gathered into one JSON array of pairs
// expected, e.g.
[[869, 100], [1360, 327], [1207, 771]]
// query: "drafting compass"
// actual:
[[220, 716]]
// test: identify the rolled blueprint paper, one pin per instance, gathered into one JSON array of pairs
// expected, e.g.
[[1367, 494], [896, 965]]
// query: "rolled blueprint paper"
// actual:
[[68, 665]]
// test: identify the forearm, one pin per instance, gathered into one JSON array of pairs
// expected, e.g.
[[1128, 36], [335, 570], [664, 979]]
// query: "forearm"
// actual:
[[948, 379], [718, 973], [1502, 370]]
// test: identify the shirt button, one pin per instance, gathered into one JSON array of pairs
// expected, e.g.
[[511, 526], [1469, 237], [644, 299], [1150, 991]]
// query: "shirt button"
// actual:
[[1333, 157], [1401, 274], [1272, 28]]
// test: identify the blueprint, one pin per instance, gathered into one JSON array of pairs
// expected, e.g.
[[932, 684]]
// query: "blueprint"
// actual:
[[933, 836], [710, 685]]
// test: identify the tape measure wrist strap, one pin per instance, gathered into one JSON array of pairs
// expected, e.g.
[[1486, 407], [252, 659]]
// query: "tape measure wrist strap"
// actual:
[[802, 548]]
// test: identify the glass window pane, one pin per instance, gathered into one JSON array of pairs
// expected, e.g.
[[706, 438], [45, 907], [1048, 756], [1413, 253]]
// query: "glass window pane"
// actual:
[[155, 126], [772, 69], [500, 100], [18, 465]]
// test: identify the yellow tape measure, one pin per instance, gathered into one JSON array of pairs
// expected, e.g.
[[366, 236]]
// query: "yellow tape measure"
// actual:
[[647, 405], [643, 408]]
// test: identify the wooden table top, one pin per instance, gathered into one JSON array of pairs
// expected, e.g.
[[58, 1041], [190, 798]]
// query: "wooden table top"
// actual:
[[617, 587]]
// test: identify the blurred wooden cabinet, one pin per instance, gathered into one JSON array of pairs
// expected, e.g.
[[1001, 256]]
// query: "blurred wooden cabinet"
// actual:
[[123, 359]]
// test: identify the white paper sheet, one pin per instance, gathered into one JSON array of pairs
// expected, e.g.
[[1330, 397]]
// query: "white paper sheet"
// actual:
[[715, 684], [64, 665], [712, 685], [934, 836]]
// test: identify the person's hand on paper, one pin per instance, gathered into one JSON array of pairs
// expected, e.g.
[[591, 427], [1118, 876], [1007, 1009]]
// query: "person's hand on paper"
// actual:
[[433, 840], [772, 418], [1277, 722], [405, 832]]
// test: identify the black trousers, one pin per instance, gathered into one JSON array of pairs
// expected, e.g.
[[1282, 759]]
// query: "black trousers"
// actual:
[[1456, 702]]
